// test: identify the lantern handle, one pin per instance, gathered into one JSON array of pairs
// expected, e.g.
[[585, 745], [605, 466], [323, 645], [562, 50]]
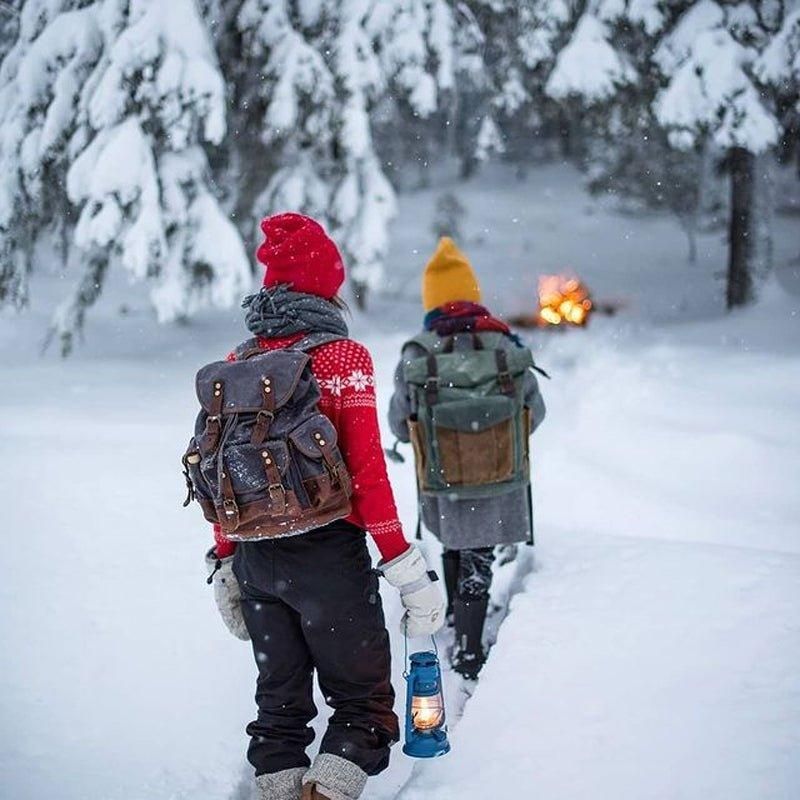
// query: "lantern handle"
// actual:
[[405, 650]]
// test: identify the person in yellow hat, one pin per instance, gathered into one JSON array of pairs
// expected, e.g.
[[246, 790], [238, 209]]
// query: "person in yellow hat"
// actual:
[[449, 279], [467, 397]]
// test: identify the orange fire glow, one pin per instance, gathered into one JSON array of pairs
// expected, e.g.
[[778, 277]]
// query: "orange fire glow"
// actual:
[[427, 713], [563, 301]]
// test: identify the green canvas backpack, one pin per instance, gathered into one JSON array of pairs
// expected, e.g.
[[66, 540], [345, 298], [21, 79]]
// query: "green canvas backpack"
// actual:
[[469, 425]]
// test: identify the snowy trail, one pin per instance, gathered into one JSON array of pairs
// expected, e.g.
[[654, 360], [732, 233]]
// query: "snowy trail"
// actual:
[[652, 652], [636, 669]]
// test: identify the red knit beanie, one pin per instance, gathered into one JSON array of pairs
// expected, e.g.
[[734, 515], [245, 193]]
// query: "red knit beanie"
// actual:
[[296, 250]]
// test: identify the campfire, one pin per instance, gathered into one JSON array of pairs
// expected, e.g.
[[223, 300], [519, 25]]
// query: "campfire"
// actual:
[[563, 301]]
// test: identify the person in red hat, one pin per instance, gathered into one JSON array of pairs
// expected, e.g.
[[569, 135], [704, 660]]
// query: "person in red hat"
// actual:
[[310, 602]]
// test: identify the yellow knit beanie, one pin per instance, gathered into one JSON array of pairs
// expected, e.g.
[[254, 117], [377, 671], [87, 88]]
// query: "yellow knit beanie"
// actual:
[[448, 277]]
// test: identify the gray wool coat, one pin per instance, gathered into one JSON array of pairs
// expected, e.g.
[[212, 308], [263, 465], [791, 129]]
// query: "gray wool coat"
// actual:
[[466, 524]]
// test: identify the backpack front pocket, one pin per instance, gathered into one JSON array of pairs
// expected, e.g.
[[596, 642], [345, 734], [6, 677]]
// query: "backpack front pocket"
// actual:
[[252, 468], [475, 440], [316, 457]]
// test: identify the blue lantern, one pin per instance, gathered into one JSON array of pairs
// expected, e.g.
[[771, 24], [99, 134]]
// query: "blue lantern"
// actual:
[[426, 731]]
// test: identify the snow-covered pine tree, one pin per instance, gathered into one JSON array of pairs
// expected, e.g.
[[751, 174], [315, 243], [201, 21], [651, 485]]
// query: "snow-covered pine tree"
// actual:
[[592, 78], [707, 59], [589, 68], [315, 71], [411, 122], [778, 68], [107, 108], [503, 49], [9, 22], [605, 81]]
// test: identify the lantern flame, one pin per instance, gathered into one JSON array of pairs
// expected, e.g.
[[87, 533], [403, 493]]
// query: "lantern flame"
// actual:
[[563, 301], [427, 713]]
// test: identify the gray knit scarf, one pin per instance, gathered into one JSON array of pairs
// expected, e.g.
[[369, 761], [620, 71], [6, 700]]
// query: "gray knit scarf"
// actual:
[[276, 311]]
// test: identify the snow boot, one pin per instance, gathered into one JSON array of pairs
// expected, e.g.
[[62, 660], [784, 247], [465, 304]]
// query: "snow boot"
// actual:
[[469, 655], [333, 778], [450, 565], [284, 785]]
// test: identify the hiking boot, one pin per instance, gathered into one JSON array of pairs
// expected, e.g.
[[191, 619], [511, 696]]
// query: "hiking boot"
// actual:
[[469, 655], [468, 665]]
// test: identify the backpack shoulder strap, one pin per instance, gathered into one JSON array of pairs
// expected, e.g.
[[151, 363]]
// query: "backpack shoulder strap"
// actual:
[[249, 347], [427, 340], [315, 340]]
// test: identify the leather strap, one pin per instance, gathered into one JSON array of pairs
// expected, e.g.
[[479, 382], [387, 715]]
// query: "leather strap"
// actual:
[[277, 492], [213, 427], [450, 342], [432, 382], [503, 374], [332, 466], [267, 414], [230, 510]]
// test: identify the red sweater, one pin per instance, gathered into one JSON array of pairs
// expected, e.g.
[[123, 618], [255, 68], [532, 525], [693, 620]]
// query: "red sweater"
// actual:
[[346, 379]]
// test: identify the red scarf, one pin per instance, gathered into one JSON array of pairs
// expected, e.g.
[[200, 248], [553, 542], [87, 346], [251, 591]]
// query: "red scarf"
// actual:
[[462, 316]]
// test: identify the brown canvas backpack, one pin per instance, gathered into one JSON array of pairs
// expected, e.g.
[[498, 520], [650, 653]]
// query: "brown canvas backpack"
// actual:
[[264, 461]]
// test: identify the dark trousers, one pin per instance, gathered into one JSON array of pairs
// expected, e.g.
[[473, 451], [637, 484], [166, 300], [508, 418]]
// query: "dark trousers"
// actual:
[[312, 602], [467, 574]]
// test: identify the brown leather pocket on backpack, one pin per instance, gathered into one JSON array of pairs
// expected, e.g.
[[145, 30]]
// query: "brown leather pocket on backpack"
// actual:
[[527, 422], [475, 441], [418, 446]]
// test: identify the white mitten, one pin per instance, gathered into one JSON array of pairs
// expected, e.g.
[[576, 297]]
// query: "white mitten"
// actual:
[[227, 594], [419, 592]]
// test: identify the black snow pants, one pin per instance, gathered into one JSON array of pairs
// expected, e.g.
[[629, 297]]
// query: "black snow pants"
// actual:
[[311, 602]]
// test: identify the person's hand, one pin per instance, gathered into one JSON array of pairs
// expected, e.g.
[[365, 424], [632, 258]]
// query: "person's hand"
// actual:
[[419, 592], [227, 594]]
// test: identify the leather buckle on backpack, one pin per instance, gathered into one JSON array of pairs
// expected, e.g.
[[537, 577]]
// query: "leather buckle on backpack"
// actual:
[[276, 491], [229, 520], [230, 508], [432, 389], [212, 433], [333, 471], [264, 420]]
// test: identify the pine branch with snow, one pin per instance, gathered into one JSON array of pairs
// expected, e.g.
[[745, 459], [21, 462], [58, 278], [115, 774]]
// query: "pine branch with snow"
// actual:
[[107, 109], [589, 67], [710, 91], [326, 67]]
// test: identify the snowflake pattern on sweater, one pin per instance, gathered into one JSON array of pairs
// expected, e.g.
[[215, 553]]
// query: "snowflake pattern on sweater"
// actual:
[[346, 378]]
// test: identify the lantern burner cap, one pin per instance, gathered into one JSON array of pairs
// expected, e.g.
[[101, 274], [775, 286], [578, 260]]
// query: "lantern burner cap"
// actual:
[[424, 659]]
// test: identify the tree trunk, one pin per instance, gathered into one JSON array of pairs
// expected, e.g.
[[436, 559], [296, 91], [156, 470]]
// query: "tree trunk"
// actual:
[[689, 224], [691, 235], [763, 250], [359, 294], [740, 278]]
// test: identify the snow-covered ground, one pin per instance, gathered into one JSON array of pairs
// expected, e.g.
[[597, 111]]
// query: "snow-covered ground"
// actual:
[[653, 637], [653, 650]]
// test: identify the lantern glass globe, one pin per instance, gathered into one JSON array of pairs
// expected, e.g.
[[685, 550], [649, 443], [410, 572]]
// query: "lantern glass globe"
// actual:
[[427, 713]]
